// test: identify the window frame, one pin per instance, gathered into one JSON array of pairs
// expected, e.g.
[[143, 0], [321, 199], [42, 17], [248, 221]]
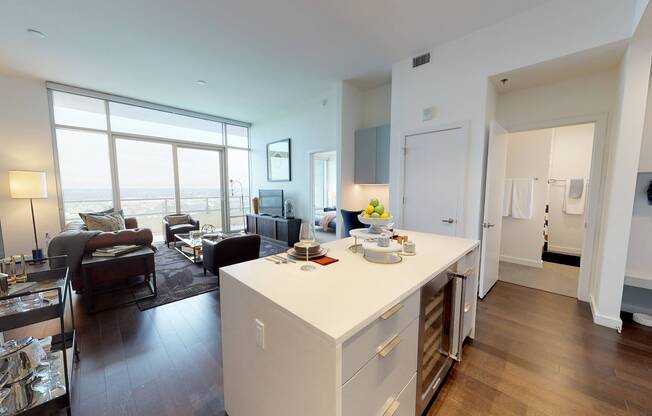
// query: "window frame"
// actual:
[[113, 136]]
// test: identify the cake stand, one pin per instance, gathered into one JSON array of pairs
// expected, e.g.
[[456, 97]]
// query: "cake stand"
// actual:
[[384, 255]]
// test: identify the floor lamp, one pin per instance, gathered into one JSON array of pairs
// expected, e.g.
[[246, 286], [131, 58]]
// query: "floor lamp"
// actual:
[[29, 185]]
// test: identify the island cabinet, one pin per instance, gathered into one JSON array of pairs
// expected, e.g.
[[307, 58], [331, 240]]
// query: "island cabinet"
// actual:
[[342, 340]]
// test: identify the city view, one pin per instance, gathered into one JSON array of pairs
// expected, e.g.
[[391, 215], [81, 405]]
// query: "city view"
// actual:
[[150, 205]]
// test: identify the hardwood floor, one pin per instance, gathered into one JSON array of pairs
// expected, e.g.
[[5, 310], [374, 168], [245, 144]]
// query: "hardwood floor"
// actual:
[[535, 353], [538, 353]]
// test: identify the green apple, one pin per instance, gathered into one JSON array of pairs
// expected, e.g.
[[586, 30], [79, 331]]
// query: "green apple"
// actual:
[[375, 215], [374, 202], [379, 209]]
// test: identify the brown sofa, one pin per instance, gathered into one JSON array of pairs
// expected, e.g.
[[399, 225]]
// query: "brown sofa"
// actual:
[[131, 235]]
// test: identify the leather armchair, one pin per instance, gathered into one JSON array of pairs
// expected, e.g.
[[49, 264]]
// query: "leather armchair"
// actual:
[[231, 250], [172, 228]]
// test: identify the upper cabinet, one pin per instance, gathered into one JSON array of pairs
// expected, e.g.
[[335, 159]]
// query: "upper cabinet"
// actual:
[[372, 155]]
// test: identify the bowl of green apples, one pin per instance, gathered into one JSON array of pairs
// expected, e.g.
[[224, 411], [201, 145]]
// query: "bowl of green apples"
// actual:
[[376, 217]]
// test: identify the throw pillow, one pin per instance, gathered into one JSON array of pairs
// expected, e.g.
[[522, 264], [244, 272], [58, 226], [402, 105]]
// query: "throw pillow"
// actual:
[[178, 219], [105, 212], [109, 222]]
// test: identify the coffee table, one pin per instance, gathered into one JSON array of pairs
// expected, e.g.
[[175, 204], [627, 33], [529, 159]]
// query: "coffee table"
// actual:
[[193, 246]]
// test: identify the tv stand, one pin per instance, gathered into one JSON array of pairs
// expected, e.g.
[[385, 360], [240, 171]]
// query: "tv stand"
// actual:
[[283, 230]]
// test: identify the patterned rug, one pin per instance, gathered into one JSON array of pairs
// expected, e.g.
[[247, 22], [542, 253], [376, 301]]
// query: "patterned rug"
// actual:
[[177, 278]]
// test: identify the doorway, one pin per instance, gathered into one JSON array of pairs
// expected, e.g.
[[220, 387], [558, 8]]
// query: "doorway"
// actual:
[[156, 178], [323, 167], [544, 216]]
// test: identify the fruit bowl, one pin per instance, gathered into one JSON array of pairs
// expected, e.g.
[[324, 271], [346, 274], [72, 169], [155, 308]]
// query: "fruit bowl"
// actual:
[[376, 224]]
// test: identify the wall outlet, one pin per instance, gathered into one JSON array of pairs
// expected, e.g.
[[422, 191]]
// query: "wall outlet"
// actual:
[[260, 334]]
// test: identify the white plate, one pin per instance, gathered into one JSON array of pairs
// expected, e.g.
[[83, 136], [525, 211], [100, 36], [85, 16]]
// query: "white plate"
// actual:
[[296, 256]]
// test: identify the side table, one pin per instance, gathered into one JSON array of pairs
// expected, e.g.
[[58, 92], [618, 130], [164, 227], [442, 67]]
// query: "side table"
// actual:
[[89, 263]]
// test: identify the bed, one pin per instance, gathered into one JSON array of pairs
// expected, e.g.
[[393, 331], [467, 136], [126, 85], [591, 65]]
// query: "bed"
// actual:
[[329, 213]]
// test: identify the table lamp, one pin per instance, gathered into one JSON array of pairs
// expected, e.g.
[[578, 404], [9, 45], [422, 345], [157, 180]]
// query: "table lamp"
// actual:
[[29, 185]]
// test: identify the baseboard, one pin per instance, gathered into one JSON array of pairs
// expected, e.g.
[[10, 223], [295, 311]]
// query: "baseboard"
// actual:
[[604, 320], [523, 262], [565, 250]]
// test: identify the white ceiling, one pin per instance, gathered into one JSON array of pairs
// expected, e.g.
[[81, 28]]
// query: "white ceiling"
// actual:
[[586, 62], [257, 56]]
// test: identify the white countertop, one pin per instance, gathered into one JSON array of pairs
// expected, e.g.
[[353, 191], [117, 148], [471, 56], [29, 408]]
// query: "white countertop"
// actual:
[[340, 299]]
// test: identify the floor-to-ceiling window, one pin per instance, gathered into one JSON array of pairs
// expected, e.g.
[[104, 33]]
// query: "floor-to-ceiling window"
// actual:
[[148, 160]]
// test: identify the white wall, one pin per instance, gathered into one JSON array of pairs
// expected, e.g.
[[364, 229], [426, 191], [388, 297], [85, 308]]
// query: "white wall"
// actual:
[[25, 144], [645, 160], [570, 157], [456, 80], [528, 156], [361, 109], [607, 290], [313, 127], [376, 106]]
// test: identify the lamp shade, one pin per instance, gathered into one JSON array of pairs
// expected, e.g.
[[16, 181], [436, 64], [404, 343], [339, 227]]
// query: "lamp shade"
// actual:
[[27, 184]]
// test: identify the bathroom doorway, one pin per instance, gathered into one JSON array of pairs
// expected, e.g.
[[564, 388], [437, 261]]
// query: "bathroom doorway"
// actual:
[[547, 182]]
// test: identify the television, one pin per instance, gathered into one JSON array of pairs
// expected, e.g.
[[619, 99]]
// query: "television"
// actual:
[[271, 202]]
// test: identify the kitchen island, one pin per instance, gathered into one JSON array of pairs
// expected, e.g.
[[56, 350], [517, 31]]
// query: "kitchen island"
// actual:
[[342, 339]]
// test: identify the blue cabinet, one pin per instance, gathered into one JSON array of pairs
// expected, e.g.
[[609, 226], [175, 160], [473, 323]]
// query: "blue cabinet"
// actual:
[[372, 155]]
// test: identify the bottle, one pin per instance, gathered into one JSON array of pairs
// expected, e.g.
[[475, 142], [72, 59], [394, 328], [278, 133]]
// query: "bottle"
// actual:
[[47, 244]]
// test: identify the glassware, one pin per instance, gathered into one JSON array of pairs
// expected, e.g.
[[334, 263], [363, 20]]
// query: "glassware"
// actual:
[[307, 238]]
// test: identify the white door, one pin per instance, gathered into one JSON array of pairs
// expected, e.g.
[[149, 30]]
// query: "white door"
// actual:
[[434, 181], [493, 207]]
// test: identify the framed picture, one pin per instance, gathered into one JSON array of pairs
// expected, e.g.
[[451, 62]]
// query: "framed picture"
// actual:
[[279, 166]]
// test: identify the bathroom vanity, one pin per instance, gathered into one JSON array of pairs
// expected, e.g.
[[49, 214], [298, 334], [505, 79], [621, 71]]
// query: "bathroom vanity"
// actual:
[[353, 338]]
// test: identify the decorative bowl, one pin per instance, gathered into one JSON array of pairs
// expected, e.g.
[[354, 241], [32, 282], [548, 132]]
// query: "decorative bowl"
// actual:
[[376, 225]]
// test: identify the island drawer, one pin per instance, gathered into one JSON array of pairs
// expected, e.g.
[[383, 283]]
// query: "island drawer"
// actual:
[[363, 346], [370, 391]]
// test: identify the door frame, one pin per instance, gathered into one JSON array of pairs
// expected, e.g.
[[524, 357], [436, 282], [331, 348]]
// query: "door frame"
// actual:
[[174, 147], [311, 190], [598, 173], [465, 127]]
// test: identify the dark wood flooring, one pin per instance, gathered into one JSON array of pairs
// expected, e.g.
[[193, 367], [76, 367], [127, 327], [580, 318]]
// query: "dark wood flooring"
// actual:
[[535, 353]]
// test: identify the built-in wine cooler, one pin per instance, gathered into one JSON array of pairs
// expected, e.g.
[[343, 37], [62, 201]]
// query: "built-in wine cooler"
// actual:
[[439, 333]]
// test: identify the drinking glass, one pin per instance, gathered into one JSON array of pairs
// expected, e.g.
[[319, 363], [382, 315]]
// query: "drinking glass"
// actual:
[[307, 237]]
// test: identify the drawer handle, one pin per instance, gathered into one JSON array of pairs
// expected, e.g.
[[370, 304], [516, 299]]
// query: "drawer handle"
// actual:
[[391, 311], [392, 408], [389, 347]]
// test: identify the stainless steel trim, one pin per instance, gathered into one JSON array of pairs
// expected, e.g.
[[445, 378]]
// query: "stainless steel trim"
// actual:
[[388, 347], [391, 311], [392, 408]]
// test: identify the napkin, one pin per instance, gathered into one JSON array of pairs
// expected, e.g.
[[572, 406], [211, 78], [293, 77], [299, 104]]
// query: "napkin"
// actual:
[[325, 261]]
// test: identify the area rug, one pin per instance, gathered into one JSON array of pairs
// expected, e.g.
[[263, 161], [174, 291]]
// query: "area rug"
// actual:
[[177, 278]]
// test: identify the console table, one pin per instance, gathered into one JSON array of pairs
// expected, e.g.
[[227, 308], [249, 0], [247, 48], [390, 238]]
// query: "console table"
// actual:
[[284, 230]]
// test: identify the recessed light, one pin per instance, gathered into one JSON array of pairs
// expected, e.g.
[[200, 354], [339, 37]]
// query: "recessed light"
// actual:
[[36, 33], [201, 82]]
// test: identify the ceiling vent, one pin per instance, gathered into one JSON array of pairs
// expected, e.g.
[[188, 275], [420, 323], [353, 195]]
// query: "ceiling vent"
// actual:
[[421, 60]]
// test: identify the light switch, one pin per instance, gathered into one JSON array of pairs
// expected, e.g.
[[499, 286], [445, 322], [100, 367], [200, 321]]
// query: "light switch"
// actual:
[[429, 113], [260, 334]]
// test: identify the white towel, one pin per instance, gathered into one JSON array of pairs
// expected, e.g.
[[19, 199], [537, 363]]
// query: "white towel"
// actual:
[[574, 206], [507, 197], [522, 198]]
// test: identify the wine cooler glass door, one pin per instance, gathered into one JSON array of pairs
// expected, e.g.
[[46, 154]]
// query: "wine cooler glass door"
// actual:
[[435, 337]]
